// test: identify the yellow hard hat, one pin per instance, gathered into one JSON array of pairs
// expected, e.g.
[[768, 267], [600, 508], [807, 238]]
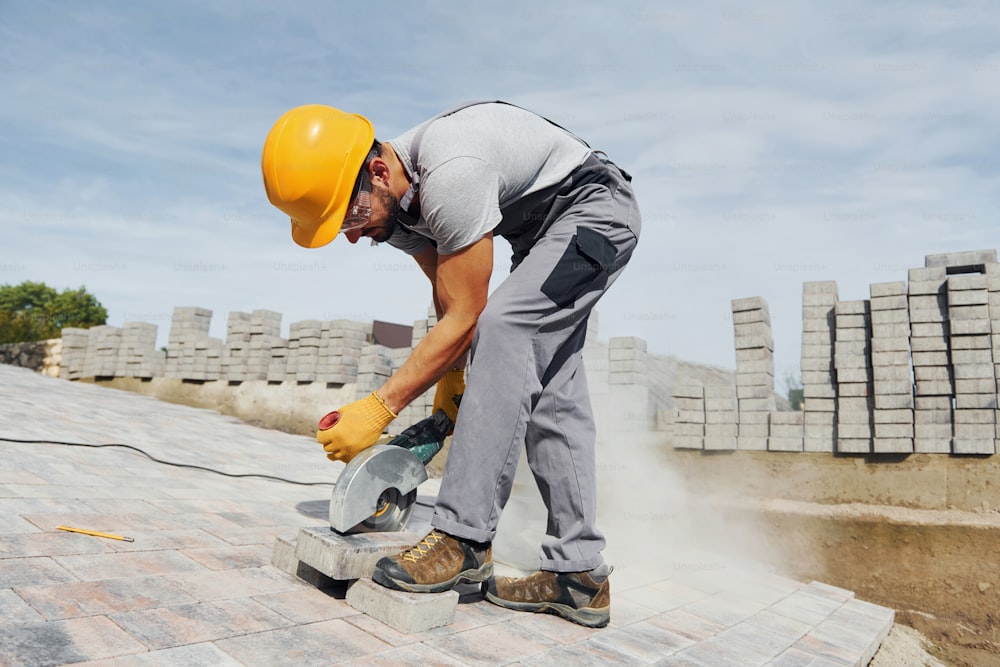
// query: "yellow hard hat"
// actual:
[[310, 163]]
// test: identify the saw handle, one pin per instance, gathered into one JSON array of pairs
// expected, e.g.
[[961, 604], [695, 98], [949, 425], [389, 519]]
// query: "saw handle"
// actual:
[[329, 420]]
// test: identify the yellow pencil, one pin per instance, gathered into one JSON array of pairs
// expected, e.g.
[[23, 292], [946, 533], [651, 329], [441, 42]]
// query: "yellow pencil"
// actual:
[[95, 533]]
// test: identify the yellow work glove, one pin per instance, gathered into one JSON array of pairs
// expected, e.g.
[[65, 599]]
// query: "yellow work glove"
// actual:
[[449, 392], [354, 427]]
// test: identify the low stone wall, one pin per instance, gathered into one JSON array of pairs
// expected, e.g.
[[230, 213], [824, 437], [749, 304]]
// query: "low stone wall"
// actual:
[[43, 356]]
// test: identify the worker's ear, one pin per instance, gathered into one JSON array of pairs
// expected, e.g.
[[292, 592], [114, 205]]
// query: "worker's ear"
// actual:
[[379, 171]]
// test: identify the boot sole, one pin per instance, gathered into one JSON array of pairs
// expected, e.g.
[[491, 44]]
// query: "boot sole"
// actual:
[[466, 576], [591, 617]]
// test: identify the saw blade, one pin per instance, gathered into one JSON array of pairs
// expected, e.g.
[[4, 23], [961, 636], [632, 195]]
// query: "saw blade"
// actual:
[[391, 513]]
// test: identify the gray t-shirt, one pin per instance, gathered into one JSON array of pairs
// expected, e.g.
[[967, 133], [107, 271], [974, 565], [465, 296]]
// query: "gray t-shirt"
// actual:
[[476, 162]]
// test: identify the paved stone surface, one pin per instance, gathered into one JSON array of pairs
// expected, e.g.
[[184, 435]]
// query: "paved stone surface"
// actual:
[[212, 577]]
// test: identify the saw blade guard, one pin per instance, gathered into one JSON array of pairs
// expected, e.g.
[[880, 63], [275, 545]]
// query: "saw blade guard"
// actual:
[[378, 473]]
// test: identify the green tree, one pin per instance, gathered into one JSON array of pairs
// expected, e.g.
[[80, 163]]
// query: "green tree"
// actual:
[[34, 311]]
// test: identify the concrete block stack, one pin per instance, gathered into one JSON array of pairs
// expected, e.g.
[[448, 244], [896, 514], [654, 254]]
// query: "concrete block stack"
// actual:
[[721, 417], [689, 416], [630, 404], [852, 363], [754, 371], [103, 343], [188, 327], [993, 288], [927, 300], [234, 360], [277, 367], [340, 350], [374, 368], [627, 361], [74, 353], [265, 334], [138, 357], [786, 431], [972, 364], [819, 387], [303, 361], [892, 415]]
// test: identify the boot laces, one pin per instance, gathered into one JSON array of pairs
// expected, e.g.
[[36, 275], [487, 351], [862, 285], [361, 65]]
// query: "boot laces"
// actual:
[[424, 547]]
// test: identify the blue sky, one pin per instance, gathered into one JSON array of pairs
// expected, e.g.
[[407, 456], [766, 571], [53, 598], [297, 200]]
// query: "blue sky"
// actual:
[[772, 143]]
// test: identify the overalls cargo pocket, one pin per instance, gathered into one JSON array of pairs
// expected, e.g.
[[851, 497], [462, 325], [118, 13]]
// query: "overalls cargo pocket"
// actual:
[[585, 265]]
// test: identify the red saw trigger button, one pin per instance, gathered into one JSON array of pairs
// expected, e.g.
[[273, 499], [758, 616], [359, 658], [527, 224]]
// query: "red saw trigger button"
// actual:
[[329, 420]]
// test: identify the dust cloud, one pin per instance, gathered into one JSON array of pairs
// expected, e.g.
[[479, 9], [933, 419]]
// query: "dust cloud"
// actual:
[[656, 527]]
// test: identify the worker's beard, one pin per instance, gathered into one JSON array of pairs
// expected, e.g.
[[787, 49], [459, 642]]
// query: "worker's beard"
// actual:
[[390, 204]]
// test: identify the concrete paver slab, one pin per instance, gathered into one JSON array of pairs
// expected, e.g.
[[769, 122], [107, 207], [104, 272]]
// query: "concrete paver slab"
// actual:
[[212, 577]]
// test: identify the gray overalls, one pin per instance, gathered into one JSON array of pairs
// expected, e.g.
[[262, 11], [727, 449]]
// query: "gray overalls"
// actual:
[[526, 381]]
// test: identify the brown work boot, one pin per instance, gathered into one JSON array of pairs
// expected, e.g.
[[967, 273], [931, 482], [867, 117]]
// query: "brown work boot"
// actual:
[[436, 564], [581, 597]]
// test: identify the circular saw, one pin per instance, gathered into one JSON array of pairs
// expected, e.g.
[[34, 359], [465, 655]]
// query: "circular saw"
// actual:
[[377, 489]]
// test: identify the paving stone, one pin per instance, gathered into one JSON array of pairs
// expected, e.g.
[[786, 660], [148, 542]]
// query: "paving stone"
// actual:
[[93, 598], [796, 657], [14, 610], [191, 623], [348, 556], [226, 584], [228, 558], [32, 572], [307, 605], [419, 654], [806, 606], [191, 655], [406, 612], [582, 653], [115, 565], [305, 645], [494, 643], [64, 642], [643, 643]]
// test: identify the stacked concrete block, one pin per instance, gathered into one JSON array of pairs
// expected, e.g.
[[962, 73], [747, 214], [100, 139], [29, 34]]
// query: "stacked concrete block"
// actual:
[[892, 381], [103, 343], [102, 351], [721, 417], [304, 341], [689, 417], [993, 288], [340, 350], [265, 334], [74, 353], [754, 370], [819, 387], [972, 364], [927, 300], [627, 361], [852, 364], [234, 360], [374, 368], [277, 367], [786, 431], [188, 328], [138, 356]]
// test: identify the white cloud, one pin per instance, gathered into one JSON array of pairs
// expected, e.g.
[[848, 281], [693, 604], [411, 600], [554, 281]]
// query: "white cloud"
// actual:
[[770, 145]]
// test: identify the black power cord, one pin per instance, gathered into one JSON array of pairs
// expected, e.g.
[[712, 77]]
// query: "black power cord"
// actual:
[[167, 463]]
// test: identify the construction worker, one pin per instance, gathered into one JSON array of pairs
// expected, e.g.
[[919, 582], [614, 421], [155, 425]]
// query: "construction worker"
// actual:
[[442, 192]]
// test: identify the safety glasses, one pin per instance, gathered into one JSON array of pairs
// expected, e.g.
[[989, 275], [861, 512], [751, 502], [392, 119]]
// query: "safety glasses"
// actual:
[[359, 211]]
